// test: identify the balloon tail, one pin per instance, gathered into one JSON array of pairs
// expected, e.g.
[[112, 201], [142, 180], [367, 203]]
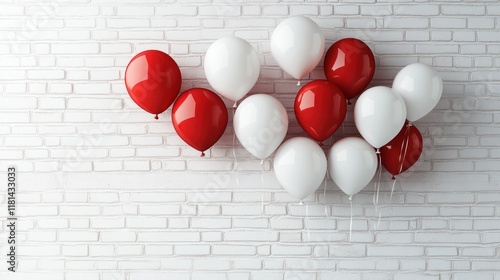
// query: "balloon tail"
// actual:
[[343, 129], [404, 146], [307, 219], [156, 116], [262, 203], [321, 144], [324, 196], [261, 162], [298, 83], [235, 104], [377, 188], [301, 202], [378, 222], [202, 154], [235, 167], [392, 189], [350, 222], [393, 177], [349, 102]]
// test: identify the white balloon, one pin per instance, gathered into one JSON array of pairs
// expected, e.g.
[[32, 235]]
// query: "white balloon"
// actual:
[[421, 88], [260, 123], [300, 166], [379, 115], [352, 163], [232, 67], [297, 44]]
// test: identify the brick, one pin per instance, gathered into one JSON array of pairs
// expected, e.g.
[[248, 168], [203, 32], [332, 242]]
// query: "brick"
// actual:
[[463, 9], [169, 236], [447, 238], [233, 250], [192, 250], [117, 236], [406, 22], [78, 236], [80, 48], [251, 236]]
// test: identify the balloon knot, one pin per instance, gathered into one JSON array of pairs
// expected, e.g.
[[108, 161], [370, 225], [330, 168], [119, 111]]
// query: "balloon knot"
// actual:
[[298, 83], [156, 116], [378, 151], [262, 162], [321, 144], [393, 177], [410, 124], [202, 154], [349, 102], [350, 197], [235, 104], [301, 203]]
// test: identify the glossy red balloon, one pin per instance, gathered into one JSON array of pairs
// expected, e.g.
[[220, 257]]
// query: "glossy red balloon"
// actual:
[[349, 63], [320, 108], [199, 117], [402, 151], [153, 80]]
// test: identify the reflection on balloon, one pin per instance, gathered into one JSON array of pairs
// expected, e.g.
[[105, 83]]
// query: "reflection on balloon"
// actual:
[[352, 163], [199, 117], [297, 44], [350, 64], [379, 115], [260, 123], [320, 108], [421, 88], [153, 80], [232, 67], [403, 151], [300, 166]]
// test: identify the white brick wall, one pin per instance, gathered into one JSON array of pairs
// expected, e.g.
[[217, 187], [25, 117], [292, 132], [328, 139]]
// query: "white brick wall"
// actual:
[[108, 193]]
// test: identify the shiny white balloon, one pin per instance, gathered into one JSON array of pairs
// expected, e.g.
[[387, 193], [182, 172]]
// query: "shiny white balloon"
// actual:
[[352, 163], [300, 166], [379, 115], [260, 123], [421, 88], [232, 67], [297, 44]]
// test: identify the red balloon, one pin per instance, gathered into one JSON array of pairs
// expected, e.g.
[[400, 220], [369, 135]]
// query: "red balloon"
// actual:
[[153, 80], [349, 63], [403, 151], [320, 108], [199, 117]]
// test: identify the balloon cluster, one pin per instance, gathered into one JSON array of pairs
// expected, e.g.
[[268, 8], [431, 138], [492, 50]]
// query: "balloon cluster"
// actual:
[[380, 113], [199, 116], [232, 68]]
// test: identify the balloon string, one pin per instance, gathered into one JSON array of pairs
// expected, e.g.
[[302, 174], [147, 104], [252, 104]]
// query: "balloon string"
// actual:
[[404, 146], [375, 196], [307, 219], [324, 196], [235, 167], [350, 223], [262, 203], [392, 189], [377, 188], [343, 129]]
